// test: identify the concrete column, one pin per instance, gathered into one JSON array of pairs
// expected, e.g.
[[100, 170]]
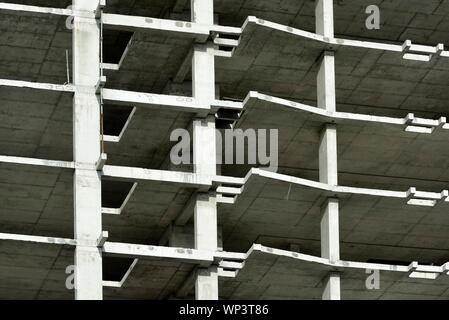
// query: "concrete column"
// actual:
[[87, 150], [206, 235], [204, 152], [328, 165]]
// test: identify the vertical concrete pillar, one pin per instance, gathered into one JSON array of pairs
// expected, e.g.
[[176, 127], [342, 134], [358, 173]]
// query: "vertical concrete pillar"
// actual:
[[204, 151], [205, 215], [328, 165], [87, 150]]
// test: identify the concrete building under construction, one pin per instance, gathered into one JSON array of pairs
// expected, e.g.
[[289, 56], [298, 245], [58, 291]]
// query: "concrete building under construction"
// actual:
[[92, 207]]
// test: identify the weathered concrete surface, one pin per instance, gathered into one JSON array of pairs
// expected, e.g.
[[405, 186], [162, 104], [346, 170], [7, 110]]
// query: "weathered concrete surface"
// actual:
[[39, 124]]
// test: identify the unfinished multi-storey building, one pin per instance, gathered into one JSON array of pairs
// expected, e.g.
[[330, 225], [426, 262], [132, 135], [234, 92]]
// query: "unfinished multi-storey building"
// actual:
[[92, 207]]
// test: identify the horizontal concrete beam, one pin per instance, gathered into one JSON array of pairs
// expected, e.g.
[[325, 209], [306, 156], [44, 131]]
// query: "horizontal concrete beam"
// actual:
[[140, 174], [190, 29], [37, 239], [37, 162], [177, 103], [35, 9], [37, 85], [149, 100]]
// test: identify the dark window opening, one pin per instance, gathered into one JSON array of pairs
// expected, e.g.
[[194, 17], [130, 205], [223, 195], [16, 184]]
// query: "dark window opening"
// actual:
[[115, 118], [114, 45], [114, 269], [114, 193]]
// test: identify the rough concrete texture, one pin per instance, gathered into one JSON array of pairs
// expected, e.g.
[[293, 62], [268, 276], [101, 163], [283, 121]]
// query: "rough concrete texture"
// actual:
[[38, 124]]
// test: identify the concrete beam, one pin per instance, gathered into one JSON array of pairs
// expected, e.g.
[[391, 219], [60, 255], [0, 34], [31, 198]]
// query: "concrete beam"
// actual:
[[148, 100], [37, 162], [37, 85], [181, 254], [140, 174], [198, 30], [37, 239], [35, 9], [177, 103]]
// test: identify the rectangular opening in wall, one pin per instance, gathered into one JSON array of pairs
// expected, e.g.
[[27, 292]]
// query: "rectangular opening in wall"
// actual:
[[115, 269], [115, 121], [115, 45], [114, 193]]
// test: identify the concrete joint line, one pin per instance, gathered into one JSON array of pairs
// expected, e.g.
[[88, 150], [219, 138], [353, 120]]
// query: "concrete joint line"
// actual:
[[86, 166]]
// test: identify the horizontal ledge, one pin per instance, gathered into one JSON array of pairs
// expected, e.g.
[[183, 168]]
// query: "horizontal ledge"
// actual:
[[141, 174], [176, 103], [342, 265], [410, 123], [142, 99], [35, 9], [37, 85], [37, 162], [191, 29], [420, 198], [410, 51], [134, 250]]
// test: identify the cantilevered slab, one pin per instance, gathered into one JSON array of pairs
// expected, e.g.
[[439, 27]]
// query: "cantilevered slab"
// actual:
[[411, 51], [412, 146], [409, 123], [35, 9], [281, 61], [285, 208], [170, 102], [277, 274]]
